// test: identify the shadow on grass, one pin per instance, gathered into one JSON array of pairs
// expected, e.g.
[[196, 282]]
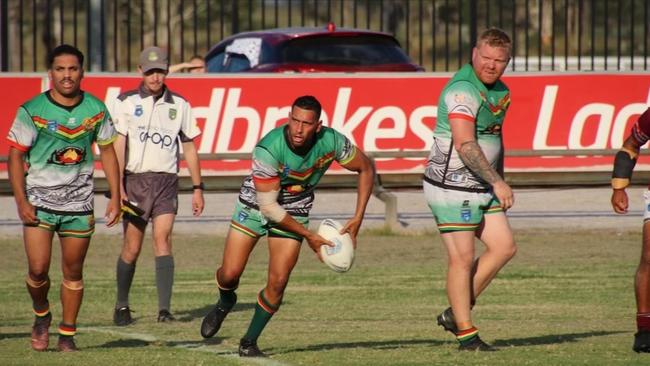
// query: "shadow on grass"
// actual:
[[125, 343], [199, 313], [14, 335], [369, 345], [551, 339]]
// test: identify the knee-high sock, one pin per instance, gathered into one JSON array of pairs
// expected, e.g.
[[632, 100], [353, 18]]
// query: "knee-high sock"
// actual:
[[124, 273], [227, 296], [263, 313], [38, 291], [72, 293], [164, 281]]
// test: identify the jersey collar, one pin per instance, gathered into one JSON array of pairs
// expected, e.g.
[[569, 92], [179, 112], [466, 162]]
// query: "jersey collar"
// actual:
[[166, 94], [68, 108]]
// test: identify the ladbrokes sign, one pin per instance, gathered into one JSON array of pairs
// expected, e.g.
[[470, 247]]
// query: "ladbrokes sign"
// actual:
[[395, 112]]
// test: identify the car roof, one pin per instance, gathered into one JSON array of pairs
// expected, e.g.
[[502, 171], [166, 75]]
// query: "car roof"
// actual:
[[276, 35]]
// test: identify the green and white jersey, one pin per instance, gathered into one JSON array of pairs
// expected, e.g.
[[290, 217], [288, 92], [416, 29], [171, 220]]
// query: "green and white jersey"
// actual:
[[57, 141], [466, 97], [274, 159]]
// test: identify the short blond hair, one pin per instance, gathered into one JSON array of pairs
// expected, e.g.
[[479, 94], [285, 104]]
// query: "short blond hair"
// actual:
[[494, 37]]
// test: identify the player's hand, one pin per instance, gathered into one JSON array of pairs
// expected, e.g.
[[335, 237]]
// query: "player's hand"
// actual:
[[352, 227], [315, 241], [619, 201], [113, 211], [27, 214], [197, 202], [504, 194]]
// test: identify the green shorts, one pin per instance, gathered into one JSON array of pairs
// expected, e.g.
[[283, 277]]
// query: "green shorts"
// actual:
[[458, 210], [77, 226], [251, 222]]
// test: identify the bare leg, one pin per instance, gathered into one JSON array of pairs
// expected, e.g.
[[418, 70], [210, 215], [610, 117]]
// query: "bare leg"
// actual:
[[38, 247], [460, 251], [73, 255], [497, 236], [642, 278]]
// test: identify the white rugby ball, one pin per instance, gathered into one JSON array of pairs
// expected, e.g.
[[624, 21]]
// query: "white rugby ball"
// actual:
[[341, 256]]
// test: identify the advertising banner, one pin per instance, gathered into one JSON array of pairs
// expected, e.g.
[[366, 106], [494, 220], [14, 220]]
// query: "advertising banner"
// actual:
[[390, 112]]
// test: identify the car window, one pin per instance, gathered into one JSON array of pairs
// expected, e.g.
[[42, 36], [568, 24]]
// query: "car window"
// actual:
[[356, 50]]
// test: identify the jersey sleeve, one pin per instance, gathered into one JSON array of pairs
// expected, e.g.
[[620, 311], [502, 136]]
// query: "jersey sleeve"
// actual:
[[641, 129], [345, 150], [23, 132], [189, 127], [266, 167], [120, 116], [462, 101], [106, 133]]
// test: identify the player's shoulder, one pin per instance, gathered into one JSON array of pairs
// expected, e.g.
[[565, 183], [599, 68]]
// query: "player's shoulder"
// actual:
[[129, 93], [273, 137], [36, 102], [176, 97]]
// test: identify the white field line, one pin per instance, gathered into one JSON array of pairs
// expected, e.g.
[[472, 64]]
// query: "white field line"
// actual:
[[196, 347]]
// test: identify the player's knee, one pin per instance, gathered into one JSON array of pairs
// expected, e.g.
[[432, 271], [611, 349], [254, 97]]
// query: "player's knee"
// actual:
[[37, 280], [130, 253], [460, 261], [72, 284], [228, 278], [509, 251]]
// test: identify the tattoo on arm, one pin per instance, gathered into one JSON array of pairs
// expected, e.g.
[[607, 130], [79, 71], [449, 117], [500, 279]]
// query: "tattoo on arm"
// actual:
[[472, 155]]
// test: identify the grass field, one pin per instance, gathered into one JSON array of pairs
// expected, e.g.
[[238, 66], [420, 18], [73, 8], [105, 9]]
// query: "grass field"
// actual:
[[566, 299]]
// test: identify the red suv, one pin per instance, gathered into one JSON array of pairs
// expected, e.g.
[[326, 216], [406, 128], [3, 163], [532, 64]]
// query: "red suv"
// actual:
[[309, 50]]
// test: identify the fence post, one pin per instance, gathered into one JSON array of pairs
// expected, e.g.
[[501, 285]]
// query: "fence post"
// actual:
[[96, 32], [473, 20], [4, 30], [235, 17]]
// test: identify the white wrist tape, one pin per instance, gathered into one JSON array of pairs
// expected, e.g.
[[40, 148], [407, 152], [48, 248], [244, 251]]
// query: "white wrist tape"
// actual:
[[269, 206]]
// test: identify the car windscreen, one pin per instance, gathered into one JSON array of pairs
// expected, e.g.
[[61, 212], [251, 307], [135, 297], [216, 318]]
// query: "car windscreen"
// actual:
[[343, 50]]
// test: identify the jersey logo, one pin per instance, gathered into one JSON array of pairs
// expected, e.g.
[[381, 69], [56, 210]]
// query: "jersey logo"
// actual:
[[70, 155], [88, 124], [72, 121], [172, 113], [138, 110], [52, 125]]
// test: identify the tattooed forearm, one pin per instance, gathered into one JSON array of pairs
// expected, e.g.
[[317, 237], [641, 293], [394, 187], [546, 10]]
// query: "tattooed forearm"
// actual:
[[472, 155]]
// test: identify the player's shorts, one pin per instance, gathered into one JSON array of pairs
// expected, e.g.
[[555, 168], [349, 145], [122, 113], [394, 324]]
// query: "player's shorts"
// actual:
[[459, 210], [74, 225], [251, 222], [155, 193], [646, 210]]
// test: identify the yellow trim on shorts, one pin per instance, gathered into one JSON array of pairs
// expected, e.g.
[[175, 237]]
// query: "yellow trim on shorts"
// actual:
[[244, 230], [77, 233], [457, 227]]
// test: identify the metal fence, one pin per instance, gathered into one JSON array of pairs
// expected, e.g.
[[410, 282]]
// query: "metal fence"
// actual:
[[438, 34]]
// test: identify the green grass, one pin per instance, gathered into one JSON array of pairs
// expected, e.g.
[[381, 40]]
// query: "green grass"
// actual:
[[566, 299]]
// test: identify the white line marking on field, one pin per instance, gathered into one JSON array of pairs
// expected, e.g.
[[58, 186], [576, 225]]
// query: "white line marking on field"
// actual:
[[131, 335], [195, 347]]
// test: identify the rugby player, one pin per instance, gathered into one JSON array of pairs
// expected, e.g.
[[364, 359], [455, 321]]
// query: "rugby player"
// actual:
[[275, 200], [464, 185], [53, 134], [624, 163]]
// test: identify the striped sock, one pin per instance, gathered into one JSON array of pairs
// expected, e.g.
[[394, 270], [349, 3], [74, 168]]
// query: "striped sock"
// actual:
[[263, 313], [42, 313], [643, 321], [67, 329], [466, 336]]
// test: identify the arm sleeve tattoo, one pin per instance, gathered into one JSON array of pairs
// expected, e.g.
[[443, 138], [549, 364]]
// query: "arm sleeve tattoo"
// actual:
[[472, 155]]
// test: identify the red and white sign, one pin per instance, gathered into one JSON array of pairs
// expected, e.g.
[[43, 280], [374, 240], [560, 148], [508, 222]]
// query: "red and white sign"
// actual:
[[390, 112]]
